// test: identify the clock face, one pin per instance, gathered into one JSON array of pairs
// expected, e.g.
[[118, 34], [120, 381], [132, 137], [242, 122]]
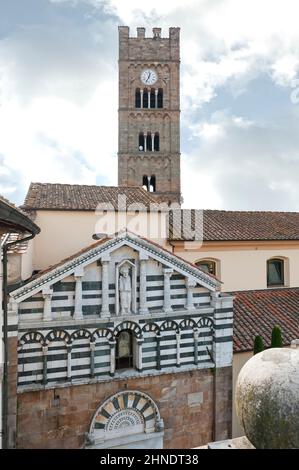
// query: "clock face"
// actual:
[[148, 76]]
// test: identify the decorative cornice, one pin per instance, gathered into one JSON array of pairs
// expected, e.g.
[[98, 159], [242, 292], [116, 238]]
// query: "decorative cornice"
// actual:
[[91, 255]]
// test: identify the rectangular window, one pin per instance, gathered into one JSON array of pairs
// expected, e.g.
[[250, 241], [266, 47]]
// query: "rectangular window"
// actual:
[[275, 272]]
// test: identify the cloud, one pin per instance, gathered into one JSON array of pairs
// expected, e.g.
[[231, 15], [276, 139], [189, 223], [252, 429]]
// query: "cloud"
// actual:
[[58, 95], [58, 103], [249, 166]]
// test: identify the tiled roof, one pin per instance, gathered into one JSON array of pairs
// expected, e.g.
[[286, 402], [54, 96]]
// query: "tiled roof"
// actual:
[[84, 197], [256, 312], [216, 225]]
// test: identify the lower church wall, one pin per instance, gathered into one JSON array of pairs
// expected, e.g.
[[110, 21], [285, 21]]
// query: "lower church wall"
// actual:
[[60, 417]]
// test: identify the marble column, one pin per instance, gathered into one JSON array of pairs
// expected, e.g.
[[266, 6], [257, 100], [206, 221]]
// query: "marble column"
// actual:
[[156, 98], [112, 357], [142, 284], [190, 284], [139, 365], [92, 350], [149, 98], [153, 142], [141, 98], [105, 286], [195, 333], [144, 136], [47, 295], [78, 274], [45, 353], [167, 299], [178, 349]]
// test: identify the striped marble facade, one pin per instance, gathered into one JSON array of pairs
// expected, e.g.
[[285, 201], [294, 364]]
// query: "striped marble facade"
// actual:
[[180, 319], [64, 296], [68, 353]]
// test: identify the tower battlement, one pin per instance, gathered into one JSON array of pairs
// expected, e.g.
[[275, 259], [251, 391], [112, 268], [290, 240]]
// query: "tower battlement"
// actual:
[[154, 47]]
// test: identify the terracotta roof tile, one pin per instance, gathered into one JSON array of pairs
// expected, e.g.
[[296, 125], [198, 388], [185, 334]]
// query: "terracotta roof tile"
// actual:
[[84, 197], [216, 225], [256, 312]]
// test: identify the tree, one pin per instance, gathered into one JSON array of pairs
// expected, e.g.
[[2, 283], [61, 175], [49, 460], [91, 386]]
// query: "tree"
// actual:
[[258, 344], [276, 340]]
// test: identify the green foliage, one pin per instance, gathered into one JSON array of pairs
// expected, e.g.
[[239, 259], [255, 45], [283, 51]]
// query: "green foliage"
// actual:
[[276, 340], [258, 344]]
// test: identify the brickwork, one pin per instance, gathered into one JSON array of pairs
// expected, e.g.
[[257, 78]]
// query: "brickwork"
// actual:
[[60, 417], [163, 56], [223, 403]]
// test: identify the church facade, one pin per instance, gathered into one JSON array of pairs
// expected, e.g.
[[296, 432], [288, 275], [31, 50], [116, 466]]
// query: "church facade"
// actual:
[[122, 345]]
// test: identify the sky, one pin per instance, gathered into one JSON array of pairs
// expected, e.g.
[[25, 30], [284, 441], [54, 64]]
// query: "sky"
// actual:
[[239, 96]]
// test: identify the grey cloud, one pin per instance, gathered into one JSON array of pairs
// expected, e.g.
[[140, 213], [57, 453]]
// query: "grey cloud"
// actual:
[[68, 57], [254, 168]]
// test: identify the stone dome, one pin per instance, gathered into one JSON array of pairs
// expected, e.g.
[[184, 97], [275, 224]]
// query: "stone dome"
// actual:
[[267, 398]]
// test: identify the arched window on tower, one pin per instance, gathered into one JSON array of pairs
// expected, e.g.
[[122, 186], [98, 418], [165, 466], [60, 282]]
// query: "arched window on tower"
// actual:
[[149, 183], [153, 100], [137, 98], [141, 142], [152, 187], [157, 142], [145, 182], [148, 142], [145, 98], [160, 98]]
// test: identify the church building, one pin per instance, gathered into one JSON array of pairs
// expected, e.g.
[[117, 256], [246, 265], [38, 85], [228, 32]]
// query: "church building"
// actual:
[[116, 341]]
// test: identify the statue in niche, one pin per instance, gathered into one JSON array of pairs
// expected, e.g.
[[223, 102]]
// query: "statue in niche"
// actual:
[[125, 290]]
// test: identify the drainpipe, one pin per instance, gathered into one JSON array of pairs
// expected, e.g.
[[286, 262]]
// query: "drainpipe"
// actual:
[[5, 341]]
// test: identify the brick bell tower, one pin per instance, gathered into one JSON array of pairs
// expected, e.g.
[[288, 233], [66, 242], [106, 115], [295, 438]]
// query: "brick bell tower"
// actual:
[[149, 112]]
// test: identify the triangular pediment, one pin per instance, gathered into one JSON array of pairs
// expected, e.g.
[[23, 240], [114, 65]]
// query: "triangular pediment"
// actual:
[[125, 247]]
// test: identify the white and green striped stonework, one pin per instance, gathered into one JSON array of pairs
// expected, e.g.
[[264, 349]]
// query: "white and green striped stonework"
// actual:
[[67, 319]]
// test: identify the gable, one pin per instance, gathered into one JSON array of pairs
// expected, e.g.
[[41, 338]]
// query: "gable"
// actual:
[[124, 247]]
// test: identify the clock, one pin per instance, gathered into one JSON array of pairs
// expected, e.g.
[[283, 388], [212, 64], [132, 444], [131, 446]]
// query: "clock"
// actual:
[[148, 76]]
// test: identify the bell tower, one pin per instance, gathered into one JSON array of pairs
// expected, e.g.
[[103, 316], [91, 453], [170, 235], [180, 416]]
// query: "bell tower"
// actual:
[[149, 112]]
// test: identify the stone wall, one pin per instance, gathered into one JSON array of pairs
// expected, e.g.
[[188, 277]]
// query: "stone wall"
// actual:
[[60, 417]]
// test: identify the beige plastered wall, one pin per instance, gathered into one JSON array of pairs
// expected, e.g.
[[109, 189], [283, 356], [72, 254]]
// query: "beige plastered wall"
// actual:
[[64, 233], [243, 265]]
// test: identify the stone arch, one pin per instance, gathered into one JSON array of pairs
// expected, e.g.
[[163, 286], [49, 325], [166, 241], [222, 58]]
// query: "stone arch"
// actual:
[[127, 415], [206, 323], [129, 325], [58, 335], [30, 364], [151, 328], [81, 334], [188, 324], [31, 337], [102, 333], [169, 325]]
